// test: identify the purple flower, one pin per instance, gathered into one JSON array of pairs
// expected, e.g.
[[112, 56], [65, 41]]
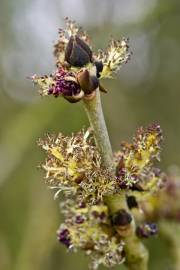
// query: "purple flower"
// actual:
[[65, 84], [79, 220], [64, 237]]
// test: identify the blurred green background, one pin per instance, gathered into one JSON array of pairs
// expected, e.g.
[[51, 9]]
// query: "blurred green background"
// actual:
[[147, 89]]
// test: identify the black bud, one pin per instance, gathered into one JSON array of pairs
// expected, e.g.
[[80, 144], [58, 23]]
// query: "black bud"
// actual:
[[121, 218], [131, 201], [69, 48], [99, 67], [77, 52], [84, 46]]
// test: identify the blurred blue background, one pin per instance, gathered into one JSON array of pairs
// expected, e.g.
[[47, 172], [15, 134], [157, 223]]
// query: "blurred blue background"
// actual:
[[147, 89]]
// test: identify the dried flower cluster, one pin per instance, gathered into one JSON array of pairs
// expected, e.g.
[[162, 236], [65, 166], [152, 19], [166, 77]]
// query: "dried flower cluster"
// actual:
[[79, 69], [74, 166]]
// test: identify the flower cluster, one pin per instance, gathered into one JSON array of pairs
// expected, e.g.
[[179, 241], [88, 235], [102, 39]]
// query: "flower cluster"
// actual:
[[112, 59], [135, 167], [79, 69], [89, 228], [74, 166]]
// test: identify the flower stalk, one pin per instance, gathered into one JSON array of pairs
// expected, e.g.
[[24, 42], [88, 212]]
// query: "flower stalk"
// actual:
[[136, 253], [95, 115]]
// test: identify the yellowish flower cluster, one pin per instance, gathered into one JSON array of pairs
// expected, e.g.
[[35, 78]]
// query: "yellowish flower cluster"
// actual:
[[89, 228], [113, 58], [135, 168], [74, 164]]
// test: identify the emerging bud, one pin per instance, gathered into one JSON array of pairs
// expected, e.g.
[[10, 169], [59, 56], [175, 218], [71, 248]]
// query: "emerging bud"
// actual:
[[77, 52], [87, 82], [121, 218], [131, 201]]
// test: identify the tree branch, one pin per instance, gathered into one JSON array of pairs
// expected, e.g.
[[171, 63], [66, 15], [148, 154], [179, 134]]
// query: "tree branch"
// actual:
[[136, 253]]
